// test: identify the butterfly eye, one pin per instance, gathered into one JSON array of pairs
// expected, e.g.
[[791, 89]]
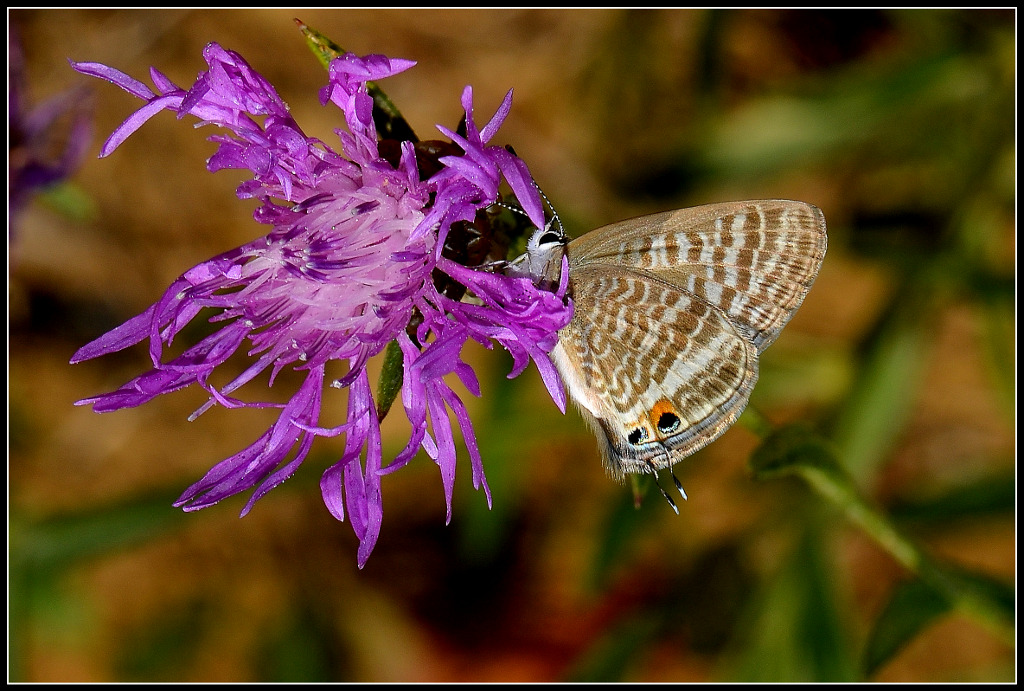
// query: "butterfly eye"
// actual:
[[637, 436], [668, 423], [550, 238]]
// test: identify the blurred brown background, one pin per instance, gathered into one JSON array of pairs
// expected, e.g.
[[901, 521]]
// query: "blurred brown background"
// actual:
[[899, 125]]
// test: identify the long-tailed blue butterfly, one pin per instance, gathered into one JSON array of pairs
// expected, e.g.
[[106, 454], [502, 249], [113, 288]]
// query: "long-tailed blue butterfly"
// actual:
[[672, 311]]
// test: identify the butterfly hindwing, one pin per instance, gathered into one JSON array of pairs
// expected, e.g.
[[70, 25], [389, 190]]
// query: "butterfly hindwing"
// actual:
[[658, 372]]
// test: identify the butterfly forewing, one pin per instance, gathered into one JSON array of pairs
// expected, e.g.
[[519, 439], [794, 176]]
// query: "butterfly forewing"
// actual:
[[753, 260], [658, 372]]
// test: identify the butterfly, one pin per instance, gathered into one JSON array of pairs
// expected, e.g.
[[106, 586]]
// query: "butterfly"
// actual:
[[671, 313]]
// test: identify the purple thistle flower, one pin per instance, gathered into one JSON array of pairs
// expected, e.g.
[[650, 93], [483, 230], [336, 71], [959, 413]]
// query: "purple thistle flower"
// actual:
[[40, 152], [351, 263]]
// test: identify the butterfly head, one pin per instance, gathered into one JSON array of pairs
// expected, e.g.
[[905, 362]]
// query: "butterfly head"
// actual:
[[542, 260]]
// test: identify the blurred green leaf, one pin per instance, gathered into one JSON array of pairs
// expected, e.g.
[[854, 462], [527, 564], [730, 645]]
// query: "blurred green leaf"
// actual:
[[41, 551], [791, 448], [916, 603], [69, 200], [913, 605], [796, 450], [878, 407], [999, 322], [303, 648], [163, 648], [985, 496], [886, 106], [988, 600], [609, 658], [796, 632], [42, 611], [59, 541], [1004, 595]]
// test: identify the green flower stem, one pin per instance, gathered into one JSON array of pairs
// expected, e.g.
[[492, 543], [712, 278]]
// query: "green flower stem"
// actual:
[[797, 451]]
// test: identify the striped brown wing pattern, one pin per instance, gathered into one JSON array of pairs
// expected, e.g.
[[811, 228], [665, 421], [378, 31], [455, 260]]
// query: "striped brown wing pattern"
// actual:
[[754, 260], [658, 372], [671, 313]]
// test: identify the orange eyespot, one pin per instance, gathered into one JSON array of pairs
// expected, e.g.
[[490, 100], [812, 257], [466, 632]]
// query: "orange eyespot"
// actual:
[[665, 417], [662, 422], [640, 432]]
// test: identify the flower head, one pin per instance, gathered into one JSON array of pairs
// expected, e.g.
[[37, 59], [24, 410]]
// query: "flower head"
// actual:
[[353, 261]]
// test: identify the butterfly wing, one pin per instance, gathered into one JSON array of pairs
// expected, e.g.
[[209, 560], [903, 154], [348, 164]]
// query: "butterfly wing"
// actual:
[[658, 372], [753, 260], [672, 311]]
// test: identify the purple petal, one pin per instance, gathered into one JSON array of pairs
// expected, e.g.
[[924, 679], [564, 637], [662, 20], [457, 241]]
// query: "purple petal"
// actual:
[[491, 128], [468, 438], [118, 338], [521, 181], [445, 446], [115, 77], [137, 120]]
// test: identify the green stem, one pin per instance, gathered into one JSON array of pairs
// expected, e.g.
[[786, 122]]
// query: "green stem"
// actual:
[[793, 450], [961, 593], [872, 521]]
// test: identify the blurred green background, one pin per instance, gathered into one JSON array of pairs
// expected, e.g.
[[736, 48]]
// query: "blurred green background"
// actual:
[[900, 125]]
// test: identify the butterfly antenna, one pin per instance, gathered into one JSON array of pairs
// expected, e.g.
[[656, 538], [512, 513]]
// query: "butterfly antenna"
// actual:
[[555, 219], [511, 207]]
